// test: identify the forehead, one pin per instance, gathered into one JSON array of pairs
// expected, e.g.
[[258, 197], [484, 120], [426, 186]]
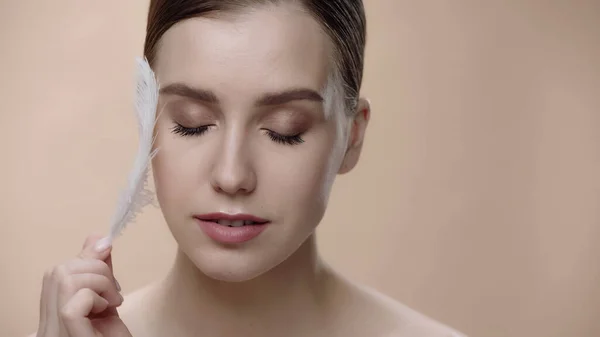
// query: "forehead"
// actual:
[[259, 49]]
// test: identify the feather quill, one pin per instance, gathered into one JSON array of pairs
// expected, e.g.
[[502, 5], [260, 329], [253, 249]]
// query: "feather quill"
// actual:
[[136, 195]]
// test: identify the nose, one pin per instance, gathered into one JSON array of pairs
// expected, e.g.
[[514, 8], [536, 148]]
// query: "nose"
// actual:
[[232, 172]]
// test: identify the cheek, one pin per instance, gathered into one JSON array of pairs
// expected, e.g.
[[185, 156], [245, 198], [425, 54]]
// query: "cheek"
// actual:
[[299, 180], [175, 172], [169, 191]]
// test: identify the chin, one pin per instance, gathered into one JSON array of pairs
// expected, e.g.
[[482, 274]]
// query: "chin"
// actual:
[[231, 266]]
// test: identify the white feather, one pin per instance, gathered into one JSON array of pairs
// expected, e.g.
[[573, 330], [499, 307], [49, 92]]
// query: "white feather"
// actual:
[[136, 195]]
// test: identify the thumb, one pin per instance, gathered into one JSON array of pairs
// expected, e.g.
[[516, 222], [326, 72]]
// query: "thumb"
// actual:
[[108, 261], [96, 247], [99, 247]]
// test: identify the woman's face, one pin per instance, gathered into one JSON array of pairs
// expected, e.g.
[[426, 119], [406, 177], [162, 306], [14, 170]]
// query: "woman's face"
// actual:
[[242, 129]]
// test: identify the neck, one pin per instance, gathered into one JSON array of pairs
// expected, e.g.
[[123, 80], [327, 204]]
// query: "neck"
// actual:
[[266, 305]]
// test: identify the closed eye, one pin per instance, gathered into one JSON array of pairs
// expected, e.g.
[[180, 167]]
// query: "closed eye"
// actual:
[[284, 139], [274, 136], [189, 132]]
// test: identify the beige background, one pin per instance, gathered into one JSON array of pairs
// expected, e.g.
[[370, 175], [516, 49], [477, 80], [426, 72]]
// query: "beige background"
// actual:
[[476, 201]]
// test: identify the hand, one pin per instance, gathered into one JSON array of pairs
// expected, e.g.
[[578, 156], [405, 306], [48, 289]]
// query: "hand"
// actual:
[[80, 297]]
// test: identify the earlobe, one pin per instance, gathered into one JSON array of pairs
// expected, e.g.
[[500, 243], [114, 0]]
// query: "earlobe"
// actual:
[[357, 134]]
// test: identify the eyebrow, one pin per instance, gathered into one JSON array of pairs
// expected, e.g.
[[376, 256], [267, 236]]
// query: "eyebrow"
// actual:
[[180, 89], [287, 96], [269, 99]]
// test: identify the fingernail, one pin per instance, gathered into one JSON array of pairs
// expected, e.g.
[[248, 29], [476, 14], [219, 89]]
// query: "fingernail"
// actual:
[[118, 285], [103, 244]]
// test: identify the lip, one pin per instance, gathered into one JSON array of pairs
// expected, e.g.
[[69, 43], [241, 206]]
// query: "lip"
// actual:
[[230, 235], [230, 217]]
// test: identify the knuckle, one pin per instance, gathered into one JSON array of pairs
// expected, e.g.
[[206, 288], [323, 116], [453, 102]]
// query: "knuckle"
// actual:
[[67, 314], [67, 286], [104, 268], [60, 272], [107, 283], [54, 273], [94, 262], [101, 267]]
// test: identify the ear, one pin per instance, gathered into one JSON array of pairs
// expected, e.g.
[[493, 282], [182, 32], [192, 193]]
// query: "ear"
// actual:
[[357, 135]]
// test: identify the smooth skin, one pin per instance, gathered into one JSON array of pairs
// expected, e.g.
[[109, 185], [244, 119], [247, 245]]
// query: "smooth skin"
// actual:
[[217, 154]]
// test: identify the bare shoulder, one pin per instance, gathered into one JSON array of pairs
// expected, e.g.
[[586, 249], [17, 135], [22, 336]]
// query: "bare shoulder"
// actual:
[[383, 316], [409, 322]]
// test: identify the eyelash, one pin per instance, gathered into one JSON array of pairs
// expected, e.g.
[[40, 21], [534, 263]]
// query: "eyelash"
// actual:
[[189, 132], [198, 131], [287, 140]]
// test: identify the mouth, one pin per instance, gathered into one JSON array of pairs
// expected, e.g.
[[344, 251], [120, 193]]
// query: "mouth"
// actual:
[[236, 223], [237, 220], [231, 229]]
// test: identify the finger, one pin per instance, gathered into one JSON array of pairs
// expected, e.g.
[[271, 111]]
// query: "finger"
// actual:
[[89, 265], [74, 313], [100, 284], [91, 239], [84, 266], [95, 247], [112, 311], [108, 261], [91, 250], [53, 325], [52, 280], [44, 299]]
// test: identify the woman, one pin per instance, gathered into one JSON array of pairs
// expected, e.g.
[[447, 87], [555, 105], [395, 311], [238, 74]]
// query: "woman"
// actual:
[[260, 111]]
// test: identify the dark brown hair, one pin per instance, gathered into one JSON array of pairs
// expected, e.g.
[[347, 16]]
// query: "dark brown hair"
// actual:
[[343, 20]]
